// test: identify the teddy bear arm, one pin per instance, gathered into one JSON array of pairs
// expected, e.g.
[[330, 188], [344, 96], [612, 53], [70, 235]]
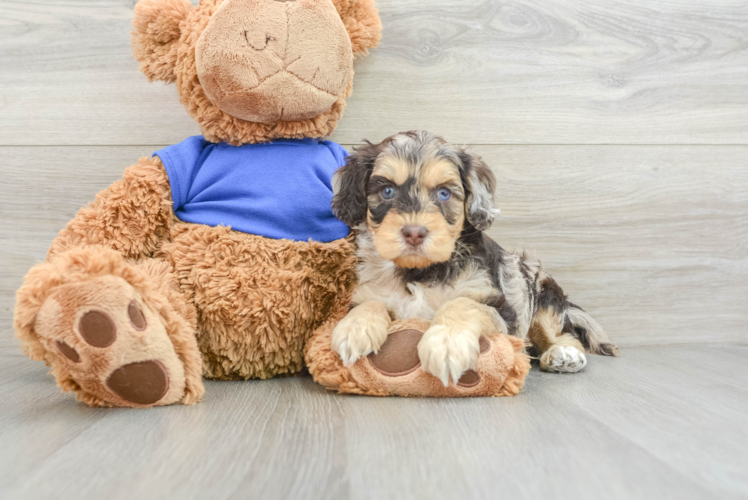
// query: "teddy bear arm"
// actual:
[[133, 216]]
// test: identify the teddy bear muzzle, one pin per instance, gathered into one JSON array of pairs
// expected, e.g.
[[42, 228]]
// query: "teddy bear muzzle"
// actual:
[[269, 60]]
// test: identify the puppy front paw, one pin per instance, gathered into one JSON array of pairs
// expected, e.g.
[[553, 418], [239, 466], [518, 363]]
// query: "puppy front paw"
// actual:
[[448, 353], [563, 359], [359, 335]]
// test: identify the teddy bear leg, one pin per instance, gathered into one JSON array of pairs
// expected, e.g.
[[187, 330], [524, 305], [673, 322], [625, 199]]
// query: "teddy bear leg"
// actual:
[[258, 300], [116, 333], [396, 369]]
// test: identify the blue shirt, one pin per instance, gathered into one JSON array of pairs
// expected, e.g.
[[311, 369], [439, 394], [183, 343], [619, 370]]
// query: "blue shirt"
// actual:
[[280, 189]]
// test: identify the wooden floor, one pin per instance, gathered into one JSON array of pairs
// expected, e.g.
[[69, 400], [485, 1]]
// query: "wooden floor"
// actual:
[[660, 422], [618, 131]]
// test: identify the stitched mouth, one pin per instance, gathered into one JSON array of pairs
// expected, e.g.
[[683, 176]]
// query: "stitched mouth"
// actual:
[[268, 39], [281, 58], [277, 70]]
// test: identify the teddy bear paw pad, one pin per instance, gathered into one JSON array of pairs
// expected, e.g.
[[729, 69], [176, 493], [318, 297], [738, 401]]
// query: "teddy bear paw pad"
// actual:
[[396, 369], [399, 354], [142, 382], [469, 379], [102, 334], [97, 328]]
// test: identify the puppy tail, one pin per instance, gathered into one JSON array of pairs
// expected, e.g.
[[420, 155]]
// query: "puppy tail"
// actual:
[[589, 332]]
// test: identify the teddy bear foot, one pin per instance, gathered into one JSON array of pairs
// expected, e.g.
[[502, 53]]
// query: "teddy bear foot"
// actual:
[[395, 370], [105, 338]]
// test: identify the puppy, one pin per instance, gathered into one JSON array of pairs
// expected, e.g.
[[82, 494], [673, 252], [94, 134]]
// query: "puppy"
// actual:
[[419, 207]]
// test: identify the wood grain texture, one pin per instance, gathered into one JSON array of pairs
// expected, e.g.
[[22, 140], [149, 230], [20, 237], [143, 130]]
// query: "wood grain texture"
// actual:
[[653, 241], [477, 71], [658, 423]]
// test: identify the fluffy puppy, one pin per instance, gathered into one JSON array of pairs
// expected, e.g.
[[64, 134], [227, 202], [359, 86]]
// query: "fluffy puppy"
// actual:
[[419, 207]]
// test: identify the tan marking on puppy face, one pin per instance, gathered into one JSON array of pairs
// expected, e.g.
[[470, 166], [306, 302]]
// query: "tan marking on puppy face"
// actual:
[[414, 189], [393, 168], [440, 243], [440, 172], [390, 244]]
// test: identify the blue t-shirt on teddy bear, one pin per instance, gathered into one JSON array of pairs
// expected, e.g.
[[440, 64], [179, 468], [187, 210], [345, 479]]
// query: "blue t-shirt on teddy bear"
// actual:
[[280, 189]]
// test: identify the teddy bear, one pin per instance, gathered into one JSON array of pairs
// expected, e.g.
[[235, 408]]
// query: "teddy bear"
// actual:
[[217, 257], [395, 369]]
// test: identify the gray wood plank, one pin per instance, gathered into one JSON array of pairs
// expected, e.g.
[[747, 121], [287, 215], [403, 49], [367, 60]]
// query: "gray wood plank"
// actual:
[[36, 419], [652, 240], [478, 71], [40, 190], [685, 405], [544, 444], [647, 425], [272, 437]]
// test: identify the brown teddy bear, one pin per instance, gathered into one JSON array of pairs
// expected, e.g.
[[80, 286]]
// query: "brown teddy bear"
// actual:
[[395, 370], [217, 257]]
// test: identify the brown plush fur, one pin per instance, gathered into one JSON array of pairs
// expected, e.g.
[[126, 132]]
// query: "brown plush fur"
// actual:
[[132, 216], [293, 63], [279, 290], [502, 369], [214, 302], [156, 33], [173, 59], [362, 22], [76, 268], [211, 285]]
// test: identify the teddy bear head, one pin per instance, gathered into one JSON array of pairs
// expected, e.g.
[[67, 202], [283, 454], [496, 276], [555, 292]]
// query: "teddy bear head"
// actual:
[[252, 71]]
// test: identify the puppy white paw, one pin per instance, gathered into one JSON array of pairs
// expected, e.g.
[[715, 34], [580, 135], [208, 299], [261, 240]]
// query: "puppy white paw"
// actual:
[[359, 335], [447, 353], [563, 359]]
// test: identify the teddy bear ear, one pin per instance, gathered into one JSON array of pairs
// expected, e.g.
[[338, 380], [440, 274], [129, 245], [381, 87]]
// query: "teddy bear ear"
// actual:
[[362, 22], [155, 36]]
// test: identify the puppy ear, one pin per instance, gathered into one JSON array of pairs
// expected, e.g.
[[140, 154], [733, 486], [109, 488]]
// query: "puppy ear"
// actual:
[[362, 22], [155, 36], [480, 184], [349, 201]]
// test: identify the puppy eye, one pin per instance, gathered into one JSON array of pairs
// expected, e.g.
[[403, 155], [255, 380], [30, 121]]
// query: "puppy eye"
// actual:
[[388, 193], [444, 194]]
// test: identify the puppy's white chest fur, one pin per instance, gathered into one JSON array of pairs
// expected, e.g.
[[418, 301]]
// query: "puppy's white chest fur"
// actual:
[[379, 282], [413, 301]]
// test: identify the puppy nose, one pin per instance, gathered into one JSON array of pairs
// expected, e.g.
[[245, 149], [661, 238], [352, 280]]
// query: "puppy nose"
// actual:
[[414, 235]]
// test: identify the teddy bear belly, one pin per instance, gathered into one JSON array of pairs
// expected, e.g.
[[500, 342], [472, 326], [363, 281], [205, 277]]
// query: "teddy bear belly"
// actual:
[[258, 299]]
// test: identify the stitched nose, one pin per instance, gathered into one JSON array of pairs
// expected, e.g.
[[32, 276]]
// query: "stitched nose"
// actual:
[[414, 235]]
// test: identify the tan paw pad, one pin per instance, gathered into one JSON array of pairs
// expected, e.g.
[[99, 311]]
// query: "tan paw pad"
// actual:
[[399, 354], [142, 383], [137, 318], [68, 352], [396, 368], [102, 334], [97, 328], [398, 357]]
